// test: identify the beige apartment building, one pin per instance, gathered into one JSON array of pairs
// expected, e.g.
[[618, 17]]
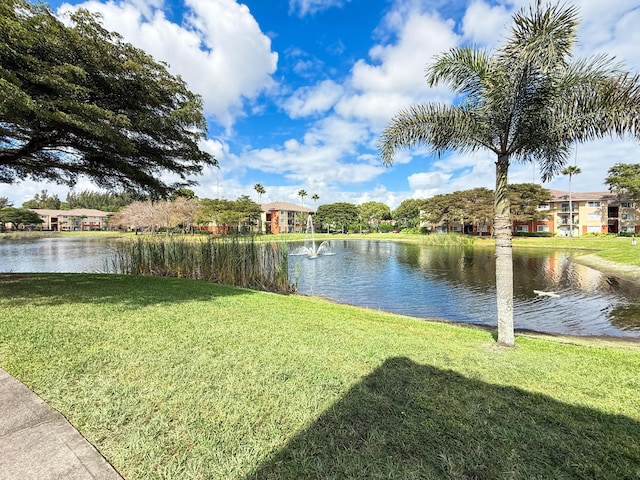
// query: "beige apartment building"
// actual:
[[78, 219], [284, 217], [585, 212]]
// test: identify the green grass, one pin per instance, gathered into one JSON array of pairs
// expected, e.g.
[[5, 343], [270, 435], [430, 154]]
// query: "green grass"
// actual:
[[177, 378]]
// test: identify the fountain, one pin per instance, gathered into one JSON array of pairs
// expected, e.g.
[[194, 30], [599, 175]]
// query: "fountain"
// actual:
[[309, 249]]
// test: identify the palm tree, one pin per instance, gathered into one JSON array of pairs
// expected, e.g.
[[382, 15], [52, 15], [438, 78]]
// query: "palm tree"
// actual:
[[571, 170], [315, 199], [302, 194], [525, 102], [258, 187]]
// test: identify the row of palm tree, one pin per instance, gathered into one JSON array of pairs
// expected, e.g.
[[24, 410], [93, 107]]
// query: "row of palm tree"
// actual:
[[528, 101], [259, 188]]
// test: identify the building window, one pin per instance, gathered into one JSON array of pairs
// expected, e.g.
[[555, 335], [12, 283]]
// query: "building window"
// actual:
[[543, 228], [593, 204], [564, 207], [522, 228], [627, 229], [543, 206], [627, 205], [593, 228], [627, 216], [593, 216]]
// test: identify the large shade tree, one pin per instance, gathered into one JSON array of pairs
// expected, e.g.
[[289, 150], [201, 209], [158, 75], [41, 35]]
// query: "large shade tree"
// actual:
[[77, 100], [527, 101], [624, 180]]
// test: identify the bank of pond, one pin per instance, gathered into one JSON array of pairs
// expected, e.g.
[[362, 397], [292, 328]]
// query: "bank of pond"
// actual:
[[552, 292]]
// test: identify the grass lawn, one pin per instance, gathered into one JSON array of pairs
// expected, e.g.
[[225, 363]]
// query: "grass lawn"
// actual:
[[173, 378]]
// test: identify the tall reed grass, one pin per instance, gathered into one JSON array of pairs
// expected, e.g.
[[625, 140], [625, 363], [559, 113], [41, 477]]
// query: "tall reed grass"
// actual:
[[27, 235], [447, 239], [237, 261]]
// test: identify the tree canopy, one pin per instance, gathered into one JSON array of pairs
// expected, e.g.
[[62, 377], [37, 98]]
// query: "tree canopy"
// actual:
[[374, 212], [624, 179], [337, 215], [525, 199], [43, 200], [78, 100], [233, 213], [105, 201], [18, 216], [407, 214]]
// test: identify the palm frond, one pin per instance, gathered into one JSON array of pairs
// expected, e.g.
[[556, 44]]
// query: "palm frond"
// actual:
[[598, 106], [439, 127], [544, 37], [464, 70]]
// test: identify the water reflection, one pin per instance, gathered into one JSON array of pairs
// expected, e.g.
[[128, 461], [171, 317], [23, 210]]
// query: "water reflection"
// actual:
[[61, 255], [459, 284]]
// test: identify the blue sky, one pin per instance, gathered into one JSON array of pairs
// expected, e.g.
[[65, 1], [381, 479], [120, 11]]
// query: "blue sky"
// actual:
[[296, 92]]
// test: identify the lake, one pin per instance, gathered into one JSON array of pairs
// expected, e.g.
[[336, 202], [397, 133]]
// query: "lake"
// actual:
[[456, 284]]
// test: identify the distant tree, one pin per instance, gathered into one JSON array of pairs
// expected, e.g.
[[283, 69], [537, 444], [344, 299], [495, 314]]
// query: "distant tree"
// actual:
[[43, 200], [337, 215], [468, 207], [18, 216], [571, 170], [624, 180], [525, 198], [439, 209], [4, 202], [527, 101], [239, 214], [302, 194], [407, 214], [259, 188], [183, 193], [105, 201], [373, 213], [474, 207], [248, 212], [139, 215], [315, 199], [216, 210], [79, 101]]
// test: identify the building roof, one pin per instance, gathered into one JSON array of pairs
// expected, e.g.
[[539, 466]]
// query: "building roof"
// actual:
[[577, 196], [76, 212], [291, 207]]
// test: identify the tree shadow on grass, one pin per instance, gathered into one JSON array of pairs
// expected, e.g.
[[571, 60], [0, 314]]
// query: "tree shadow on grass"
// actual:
[[410, 421], [135, 291]]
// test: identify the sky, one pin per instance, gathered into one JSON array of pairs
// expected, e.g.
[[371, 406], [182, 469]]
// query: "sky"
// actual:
[[297, 92]]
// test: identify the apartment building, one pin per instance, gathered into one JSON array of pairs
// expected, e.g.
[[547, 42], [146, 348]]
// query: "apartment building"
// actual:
[[586, 212], [284, 217], [78, 219]]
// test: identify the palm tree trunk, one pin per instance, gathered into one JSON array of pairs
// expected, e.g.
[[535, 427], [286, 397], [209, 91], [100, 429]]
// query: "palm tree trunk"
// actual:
[[570, 210], [504, 261]]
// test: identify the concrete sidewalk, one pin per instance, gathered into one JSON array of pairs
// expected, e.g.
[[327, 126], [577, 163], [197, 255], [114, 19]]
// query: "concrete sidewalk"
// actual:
[[37, 442]]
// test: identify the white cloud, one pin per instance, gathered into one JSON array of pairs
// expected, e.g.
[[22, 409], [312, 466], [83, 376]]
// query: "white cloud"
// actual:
[[219, 49], [313, 100], [485, 25], [311, 7], [400, 67]]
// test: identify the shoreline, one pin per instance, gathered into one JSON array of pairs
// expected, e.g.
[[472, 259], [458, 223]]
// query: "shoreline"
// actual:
[[609, 267]]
